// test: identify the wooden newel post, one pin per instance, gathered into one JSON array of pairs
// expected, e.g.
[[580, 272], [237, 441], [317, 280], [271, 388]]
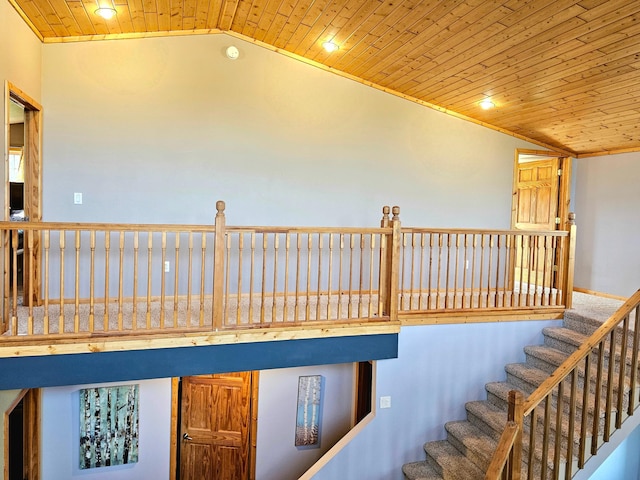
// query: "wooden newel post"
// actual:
[[218, 266], [389, 259], [516, 415], [570, 261]]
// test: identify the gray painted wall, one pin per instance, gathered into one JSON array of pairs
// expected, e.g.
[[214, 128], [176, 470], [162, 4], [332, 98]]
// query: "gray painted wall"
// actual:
[[608, 219], [157, 130]]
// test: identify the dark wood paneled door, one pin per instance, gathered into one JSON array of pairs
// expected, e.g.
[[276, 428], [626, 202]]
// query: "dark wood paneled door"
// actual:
[[215, 426]]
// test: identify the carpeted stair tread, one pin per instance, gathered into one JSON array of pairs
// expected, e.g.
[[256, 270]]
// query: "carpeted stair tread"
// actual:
[[524, 376], [450, 462], [487, 417], [567, 338], [546, 358], [420, 471], [473, 442]]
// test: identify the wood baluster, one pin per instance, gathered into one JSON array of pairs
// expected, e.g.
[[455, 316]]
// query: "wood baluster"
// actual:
[[412, 273], [489, 270], [287, 249], [136, 248], [610, 378], [585, 410], [330, 278], [120, 281], [572, 416], [544, 299], [14, 282], [107, 248], [430, 272], [296, 307], [633, 401], [176, 278], [76, 313], [227, 283], [372, 246], [308, 289], [265, 241], [596, 395], [507, 288], [361, 284], [464, 270], [189, 279], [203, 268], [163, 277], [558, 440], [474, 244], [276, 246], [456, 271], [62, 247], [29, 234], [251, 275], [341, 244], [92, 277], [544, 462], [621, 370], [447, 270], [522, 268], [351, 246], [149, 273], [439, 272], [498, 251], [481, 275], [422, 245], [530, 266], [319, 275], [533, 427], [239, 291], [6, 307]]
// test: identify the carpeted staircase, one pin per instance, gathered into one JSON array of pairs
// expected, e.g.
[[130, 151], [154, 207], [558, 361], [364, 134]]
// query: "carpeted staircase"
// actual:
[[470, 443]]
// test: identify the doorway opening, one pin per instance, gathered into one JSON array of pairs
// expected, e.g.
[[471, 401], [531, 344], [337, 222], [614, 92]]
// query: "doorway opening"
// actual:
[[22, 437], [23, 189]]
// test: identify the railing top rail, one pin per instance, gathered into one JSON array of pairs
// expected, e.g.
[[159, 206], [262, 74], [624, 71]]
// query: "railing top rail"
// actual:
[[470, 231], [160, 227], [304, 230], [73, 226], [576, 357]]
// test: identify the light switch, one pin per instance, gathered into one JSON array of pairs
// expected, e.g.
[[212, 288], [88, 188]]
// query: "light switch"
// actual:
[[385, 402], [77, 198]]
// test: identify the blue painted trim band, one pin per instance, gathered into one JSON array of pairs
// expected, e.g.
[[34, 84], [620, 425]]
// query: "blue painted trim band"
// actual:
[[57, 370]]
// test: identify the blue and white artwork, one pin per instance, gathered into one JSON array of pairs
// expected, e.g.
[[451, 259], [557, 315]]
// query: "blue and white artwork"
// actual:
[[309, 413], [108, 426]]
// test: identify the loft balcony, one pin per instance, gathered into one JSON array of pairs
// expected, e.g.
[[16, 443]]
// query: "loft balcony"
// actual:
[[172, 300]]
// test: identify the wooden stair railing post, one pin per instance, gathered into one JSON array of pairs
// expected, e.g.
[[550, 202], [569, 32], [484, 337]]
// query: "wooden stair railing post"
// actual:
[[570, 262], [385, 251], [516, 414], [218, 266], [394, 268], [390, 264]]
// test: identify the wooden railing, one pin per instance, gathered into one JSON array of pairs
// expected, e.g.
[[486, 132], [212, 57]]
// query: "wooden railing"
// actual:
[[88, 279], [569, 416]]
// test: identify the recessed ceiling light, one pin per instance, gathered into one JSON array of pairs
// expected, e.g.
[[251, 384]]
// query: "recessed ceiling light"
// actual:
[[330, 46], [106, 12], [487, 104]]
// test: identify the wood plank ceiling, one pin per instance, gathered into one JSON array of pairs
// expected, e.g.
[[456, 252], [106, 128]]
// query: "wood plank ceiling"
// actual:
[[563, 73]]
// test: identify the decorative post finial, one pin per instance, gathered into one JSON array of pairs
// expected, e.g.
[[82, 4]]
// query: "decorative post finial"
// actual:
[[220, 206], [396, 212], [385, 212], [572, 218]]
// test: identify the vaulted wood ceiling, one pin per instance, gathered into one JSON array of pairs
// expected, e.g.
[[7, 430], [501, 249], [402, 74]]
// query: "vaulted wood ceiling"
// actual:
[[561, 72]]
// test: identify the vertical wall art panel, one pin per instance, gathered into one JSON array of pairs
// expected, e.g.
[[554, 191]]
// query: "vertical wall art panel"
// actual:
[[108, 426], [309, 414]]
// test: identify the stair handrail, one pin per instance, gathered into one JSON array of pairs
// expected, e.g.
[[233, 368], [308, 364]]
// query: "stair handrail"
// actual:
[[508, 443], [563, 371]]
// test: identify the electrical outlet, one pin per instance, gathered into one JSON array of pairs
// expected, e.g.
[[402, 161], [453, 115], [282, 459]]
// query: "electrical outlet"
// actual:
[[167, 266], [77, 198], [385, 402]]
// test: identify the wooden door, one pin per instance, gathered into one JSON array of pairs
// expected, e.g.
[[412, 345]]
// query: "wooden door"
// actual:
[[535, 208], [215, 425]]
